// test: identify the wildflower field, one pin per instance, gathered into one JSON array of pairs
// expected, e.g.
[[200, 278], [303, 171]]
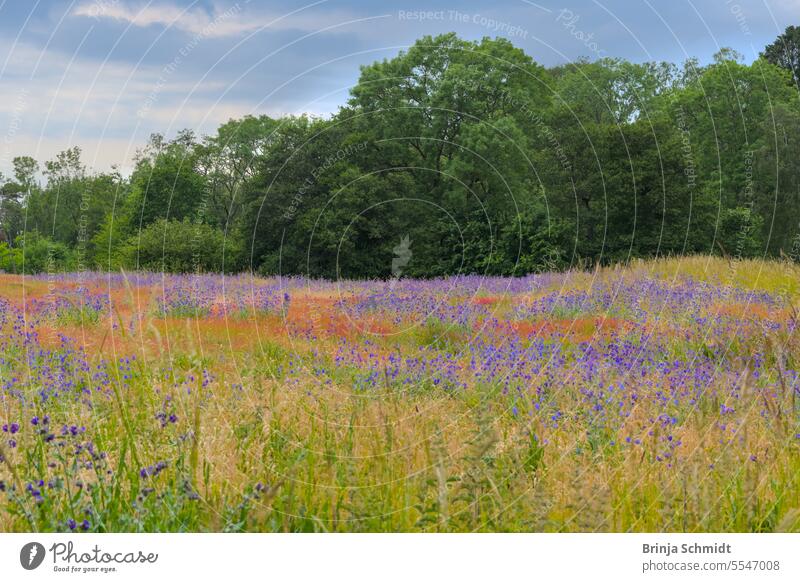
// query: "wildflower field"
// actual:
[[660, 396]]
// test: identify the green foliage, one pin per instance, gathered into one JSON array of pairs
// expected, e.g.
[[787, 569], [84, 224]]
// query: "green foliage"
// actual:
[[166, 183], [740, 233], [785, 51], [9, 259], [33, 253], [484, 161], [179, 247]]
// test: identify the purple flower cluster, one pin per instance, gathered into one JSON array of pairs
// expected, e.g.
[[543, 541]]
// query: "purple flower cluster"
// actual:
[[152, 470]]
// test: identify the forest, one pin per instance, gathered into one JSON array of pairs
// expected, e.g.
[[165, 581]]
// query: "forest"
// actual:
[[467, 155]]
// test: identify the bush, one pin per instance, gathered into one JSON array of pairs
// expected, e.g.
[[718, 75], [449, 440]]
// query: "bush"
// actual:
[[180, 247], [33, 253], [10, 259]]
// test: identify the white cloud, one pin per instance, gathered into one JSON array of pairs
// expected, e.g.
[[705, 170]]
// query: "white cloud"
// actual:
[[195, 21], [109, 109], [97, 105], [234, 20], [54, 100]]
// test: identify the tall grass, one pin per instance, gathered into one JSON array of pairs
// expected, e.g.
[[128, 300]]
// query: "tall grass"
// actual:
[[242, 426]]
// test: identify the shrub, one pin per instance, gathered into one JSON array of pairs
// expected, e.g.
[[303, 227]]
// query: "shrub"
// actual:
[[10, 259], [33, 253], [180, 247]]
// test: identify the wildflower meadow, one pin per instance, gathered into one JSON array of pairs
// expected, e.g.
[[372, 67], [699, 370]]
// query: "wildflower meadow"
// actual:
[[656, 396]]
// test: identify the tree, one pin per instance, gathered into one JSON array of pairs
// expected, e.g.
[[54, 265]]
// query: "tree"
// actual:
[[228, 161], [468, 156], [62, 198], [296, 176], [13, 194], [725, 117], [457, 118], [785, 52], [165, 184], [776, 179], [25, 170]]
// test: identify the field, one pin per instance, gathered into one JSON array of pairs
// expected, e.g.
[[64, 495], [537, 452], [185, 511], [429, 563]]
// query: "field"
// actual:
[[660, 396]]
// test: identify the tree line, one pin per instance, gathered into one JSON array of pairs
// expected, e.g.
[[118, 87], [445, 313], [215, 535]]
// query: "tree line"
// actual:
[[469, 155]]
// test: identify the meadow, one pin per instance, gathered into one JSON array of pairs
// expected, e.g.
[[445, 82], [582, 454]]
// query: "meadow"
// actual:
[[658, 396]]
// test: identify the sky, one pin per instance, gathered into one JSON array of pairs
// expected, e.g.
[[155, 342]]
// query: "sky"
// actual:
[[105, 74]]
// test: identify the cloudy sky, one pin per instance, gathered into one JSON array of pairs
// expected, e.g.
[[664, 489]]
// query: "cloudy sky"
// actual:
[[104, 74]]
